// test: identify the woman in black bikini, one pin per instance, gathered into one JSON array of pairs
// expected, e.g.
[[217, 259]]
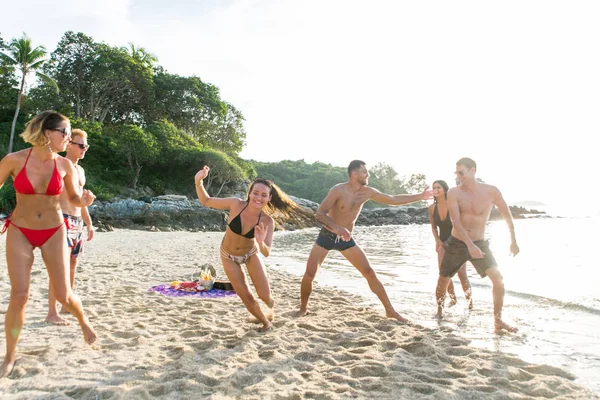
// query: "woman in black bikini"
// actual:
[[436, 210], [249, 231]]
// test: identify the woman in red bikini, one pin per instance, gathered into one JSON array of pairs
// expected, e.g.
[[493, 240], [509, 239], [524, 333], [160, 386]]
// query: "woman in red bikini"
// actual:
[[241, 244], [40, 175]]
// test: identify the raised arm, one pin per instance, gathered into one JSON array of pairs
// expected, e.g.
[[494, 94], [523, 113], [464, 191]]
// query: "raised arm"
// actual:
[[499, 202], [204, 197], [399, 199], [326, 205], [263, 234]]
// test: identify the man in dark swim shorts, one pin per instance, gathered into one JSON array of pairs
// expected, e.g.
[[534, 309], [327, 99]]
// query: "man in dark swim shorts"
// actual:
[[456, 253], [470, 205], [338, 212], [330, 241]]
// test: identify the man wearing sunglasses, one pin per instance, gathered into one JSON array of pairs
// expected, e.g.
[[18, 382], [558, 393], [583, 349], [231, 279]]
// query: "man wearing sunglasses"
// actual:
[[76, 216], [470, 205]]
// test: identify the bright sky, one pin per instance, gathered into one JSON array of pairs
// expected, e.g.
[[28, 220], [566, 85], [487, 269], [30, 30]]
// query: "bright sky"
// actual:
[[514, 85]]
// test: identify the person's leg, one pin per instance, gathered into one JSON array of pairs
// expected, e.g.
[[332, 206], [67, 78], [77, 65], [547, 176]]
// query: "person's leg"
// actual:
[[359, 260], [451, 292], [19, 260], [498, 292], [260, 280], [440, 294], [466, 285], [53, 316], [315, 259], [55, 254], [238, 281]]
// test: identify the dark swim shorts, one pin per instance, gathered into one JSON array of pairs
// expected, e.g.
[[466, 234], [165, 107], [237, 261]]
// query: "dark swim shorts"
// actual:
[[456, 254], [330, 241]]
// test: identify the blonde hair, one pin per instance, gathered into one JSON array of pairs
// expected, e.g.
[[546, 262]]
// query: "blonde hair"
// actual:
[[78, 132], [34, 132]]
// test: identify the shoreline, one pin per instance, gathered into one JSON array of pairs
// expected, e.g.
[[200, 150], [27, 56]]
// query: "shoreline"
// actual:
[[156, 346]]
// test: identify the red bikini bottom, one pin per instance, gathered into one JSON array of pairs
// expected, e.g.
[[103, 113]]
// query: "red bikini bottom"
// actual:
[[37, 237]]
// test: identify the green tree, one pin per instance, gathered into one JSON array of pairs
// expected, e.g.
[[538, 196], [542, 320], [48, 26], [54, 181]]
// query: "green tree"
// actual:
[[138, 147], [415, 184], [385, 178], [223, 170], [71, 65], [25, 59], [140, 55]]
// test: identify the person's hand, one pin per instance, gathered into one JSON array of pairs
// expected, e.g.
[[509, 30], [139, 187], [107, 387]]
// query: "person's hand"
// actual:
[[343, 233], [439, 245], [514, 249], [87, 197], [260, 233], [200, 175], [90, 231], [475, 252], [428, 193]]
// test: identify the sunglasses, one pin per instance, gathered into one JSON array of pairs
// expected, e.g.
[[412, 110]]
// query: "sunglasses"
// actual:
[[264, 181], [81, 145], [460, 173], [65, 131]]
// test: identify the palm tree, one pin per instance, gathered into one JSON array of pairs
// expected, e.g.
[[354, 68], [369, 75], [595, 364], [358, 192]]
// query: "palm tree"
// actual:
[[22, 57], [140, 55]]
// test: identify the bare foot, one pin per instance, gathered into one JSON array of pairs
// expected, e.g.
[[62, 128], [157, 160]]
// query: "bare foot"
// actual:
[[7, 367], [452, 302], [439, 315], [397, 317], [56, 320], [270, 314], [89, 334], [470, 304], [500, 326], [303, 312], [266, 328]]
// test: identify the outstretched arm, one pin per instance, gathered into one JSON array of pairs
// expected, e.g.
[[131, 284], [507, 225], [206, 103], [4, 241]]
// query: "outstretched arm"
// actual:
[[321, 214], [204, 197], [499, 202], [399, 199]]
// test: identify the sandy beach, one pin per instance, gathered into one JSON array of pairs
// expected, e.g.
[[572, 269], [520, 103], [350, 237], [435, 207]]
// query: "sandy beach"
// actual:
[[152, 346]]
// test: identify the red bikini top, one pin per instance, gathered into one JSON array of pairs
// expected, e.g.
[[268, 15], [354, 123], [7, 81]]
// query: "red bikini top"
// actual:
[[22, 184]]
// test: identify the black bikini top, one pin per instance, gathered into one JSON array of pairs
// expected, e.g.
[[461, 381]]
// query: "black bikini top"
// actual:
[[236, 225]]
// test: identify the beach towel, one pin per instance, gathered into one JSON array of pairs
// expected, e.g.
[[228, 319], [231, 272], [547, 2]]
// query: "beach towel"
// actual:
[[169, 290]]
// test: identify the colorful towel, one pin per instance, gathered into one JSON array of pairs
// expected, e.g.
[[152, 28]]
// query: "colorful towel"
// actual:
[[168, 290]]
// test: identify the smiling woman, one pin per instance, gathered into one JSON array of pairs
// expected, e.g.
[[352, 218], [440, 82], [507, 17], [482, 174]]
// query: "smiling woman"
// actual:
[[39, 177], [241, 244]]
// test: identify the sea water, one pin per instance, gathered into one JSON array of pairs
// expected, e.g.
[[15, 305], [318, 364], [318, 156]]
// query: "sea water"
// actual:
[[552, 293]]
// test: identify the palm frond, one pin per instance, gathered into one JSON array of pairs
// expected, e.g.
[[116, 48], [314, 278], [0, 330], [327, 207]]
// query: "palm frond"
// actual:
[[47, 80]]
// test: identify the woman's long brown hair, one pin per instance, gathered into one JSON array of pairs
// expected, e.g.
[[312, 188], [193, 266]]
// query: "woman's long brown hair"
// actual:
[[283, 209]]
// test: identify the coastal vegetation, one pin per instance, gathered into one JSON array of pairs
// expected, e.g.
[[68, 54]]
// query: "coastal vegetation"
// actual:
[[149, 130]]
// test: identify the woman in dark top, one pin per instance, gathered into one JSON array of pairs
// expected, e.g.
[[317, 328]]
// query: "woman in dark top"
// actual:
[[441, 226], [250, 231]]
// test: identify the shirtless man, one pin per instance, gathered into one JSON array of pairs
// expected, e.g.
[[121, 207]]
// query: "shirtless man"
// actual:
[[76, 216], [338, 212], [470, 205]]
